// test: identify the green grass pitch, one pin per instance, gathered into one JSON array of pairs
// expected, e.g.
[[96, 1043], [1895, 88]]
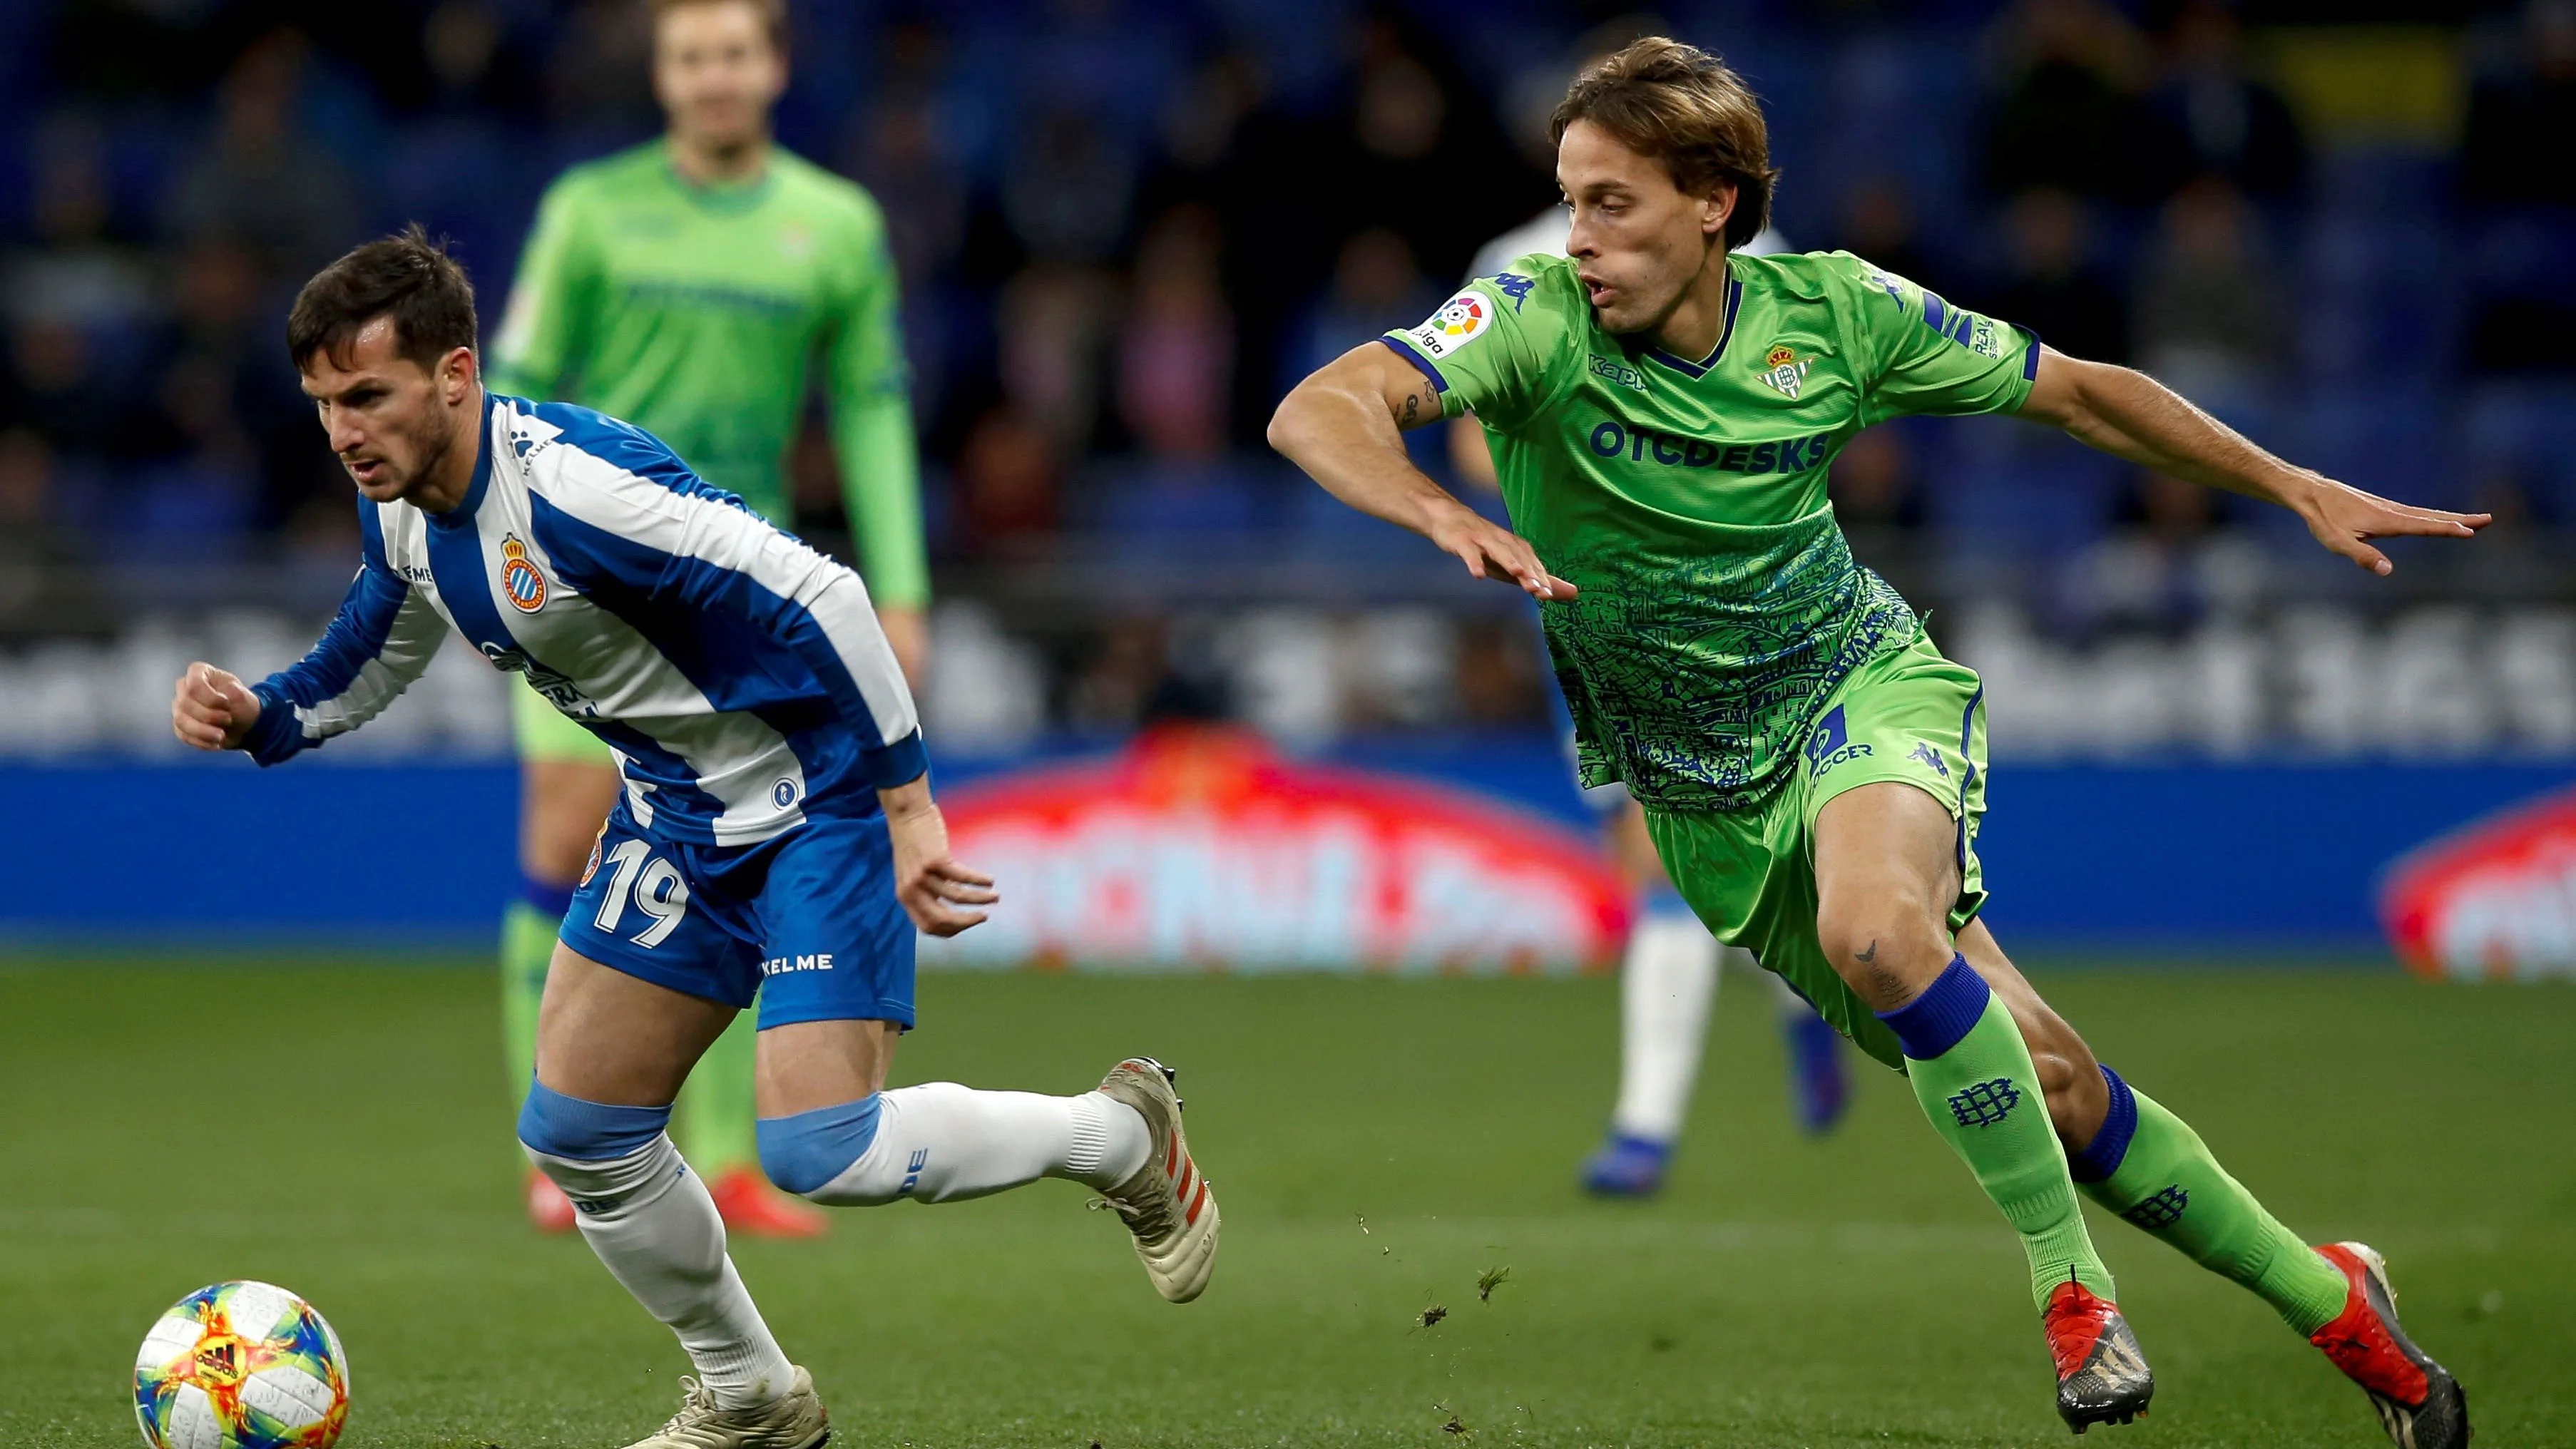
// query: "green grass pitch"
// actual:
[[1378, 1145]]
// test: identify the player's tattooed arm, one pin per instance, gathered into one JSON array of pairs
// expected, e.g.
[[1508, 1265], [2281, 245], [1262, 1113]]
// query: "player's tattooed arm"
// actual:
[[1345, 426], [2130, 415]]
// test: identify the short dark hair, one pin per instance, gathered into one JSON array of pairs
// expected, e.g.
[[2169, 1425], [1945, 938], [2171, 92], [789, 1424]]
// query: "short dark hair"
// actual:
[[1684, 107], [406, 277]]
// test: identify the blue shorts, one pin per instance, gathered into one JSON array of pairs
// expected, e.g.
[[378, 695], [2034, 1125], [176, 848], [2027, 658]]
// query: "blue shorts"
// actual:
[[806, 923]]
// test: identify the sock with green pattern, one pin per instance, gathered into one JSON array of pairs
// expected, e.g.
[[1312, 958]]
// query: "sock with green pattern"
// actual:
[[2147, 1165], [1973, 1074]]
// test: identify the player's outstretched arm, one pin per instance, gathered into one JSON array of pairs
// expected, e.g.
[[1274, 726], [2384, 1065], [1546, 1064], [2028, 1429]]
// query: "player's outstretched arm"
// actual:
[[1345, 426], [212, 709], [2130, 415], [927, 879]]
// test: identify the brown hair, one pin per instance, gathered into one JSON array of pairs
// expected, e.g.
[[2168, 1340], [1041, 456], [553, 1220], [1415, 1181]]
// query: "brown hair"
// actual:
[[773, 15], [1682, 106], [408, 278]]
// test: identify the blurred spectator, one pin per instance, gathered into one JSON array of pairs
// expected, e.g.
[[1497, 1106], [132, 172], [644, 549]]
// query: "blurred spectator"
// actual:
[[599, 77], [2208, 320], [1878, 225], [75, 272], [1054, 323], [1069, 189], [2522, 118], [1375, 286], [2211, 116], [2053, 286], [1873, 482], [2168, 566], [1008, 486], [2065, 115], [261, 180], [1176, 357], [48, 585], [56, 387]]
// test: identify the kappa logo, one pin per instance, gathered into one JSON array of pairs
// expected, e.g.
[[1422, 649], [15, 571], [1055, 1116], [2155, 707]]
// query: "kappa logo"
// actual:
[[1923, 751], [1786, 370], [1831, 744], [1514, 286], [1618, 372], [521, 579]]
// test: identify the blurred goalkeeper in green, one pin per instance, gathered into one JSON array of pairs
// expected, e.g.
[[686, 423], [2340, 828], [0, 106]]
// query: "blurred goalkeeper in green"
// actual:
[[692, 286]]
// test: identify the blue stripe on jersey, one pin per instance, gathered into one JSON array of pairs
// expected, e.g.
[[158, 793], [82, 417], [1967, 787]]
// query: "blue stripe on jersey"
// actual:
[[456, 558], [1405, 350], [356, 635], [621, 443], [740, 644]]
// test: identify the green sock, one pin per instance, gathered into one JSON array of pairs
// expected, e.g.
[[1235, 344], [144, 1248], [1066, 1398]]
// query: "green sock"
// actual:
[[1973, 1074], [712, 1121], [2147, 1165], [527, 944]]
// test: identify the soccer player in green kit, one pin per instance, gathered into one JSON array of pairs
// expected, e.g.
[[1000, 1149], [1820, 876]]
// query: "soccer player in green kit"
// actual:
[[1662, 412], [688, 286]]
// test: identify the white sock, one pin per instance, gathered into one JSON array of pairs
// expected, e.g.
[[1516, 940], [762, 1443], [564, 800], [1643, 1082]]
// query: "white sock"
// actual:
[[1667, 984], [940, 1142], [649, 1218]]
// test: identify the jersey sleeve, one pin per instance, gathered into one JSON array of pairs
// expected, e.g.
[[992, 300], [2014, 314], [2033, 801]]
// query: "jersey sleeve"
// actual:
[[381, 640], [1921, 355], [650, 525], [1498, 349], [543, 332], [864, 376]]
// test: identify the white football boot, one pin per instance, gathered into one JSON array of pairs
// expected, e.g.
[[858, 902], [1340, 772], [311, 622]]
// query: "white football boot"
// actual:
[[794, 1420], [1167, 1203]]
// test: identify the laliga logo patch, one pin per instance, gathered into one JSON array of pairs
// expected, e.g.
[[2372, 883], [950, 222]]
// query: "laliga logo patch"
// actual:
[[1461, 320], [592, 868], [520, 579], [1786, 370]]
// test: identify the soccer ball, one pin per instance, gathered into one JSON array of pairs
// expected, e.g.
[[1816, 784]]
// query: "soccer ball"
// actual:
[[241, 1366]]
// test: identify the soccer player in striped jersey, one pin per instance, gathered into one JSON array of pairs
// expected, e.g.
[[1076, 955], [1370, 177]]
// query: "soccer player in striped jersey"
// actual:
[[692, 286], [1663, 412], [774, 841]]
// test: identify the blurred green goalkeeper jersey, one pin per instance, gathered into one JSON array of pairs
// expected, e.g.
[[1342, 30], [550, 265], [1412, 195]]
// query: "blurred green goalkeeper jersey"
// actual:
[[1685, 498], [695, 313]]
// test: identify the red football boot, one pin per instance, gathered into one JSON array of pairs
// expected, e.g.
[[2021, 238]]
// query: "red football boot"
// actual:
[[2419, 1403], [2102, 1378], [549, 1211], [752, 1207]]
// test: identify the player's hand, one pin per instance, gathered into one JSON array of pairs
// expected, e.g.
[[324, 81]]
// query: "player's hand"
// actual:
[[2345, 519], [211, 709], [1492, 551], [928, 880]]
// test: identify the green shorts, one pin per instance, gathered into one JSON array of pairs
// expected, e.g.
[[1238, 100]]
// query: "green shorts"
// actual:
[[544, 732], [1910, 715]]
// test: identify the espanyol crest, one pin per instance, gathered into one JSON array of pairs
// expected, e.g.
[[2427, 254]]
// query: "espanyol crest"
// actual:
[[520, 578]]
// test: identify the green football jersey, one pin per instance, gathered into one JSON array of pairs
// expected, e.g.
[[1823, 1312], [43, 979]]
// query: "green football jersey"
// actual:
[[695, 313], [1719, 604]]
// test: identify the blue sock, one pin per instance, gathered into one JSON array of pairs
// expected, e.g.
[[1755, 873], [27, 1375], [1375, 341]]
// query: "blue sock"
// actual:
[[547, 898]]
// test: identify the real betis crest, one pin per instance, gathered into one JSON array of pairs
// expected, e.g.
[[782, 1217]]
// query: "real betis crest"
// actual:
[[1786, 369]]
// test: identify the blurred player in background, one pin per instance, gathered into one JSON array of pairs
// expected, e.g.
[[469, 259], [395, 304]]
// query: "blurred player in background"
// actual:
[[1663, 413], [1669, 971], [688, 286]]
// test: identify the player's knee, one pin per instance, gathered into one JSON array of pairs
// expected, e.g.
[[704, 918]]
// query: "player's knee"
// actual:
[[605, 1157], [811, 1154], [1887, 943]]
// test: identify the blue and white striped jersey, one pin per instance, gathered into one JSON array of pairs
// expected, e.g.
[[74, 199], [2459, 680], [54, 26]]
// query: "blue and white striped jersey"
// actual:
[[739, 675]]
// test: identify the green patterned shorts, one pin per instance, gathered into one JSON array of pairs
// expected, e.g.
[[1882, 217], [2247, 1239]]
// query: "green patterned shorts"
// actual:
[[1908, 715]]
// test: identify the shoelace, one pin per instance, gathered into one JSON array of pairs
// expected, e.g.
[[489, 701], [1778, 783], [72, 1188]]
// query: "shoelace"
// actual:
[[695, 1398], [1151, 1219]]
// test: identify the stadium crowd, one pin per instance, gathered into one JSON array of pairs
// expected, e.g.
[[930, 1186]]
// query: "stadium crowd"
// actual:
[[1124, 225]]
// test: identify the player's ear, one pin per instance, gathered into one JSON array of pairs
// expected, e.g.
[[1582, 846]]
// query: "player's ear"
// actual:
[[1714, 211], [456, 374]]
